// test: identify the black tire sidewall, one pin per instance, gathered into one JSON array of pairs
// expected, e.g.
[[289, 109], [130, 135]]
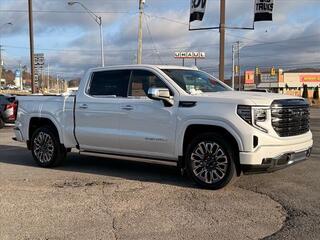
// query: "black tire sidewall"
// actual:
[[57, 148], [219, 139]]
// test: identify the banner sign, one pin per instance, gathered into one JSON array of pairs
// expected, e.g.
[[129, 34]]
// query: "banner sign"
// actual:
[[309, 78], [263, 10], [189, 55], [197, 10]]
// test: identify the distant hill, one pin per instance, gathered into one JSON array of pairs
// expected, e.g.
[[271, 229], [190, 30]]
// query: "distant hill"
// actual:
[[303, 70]]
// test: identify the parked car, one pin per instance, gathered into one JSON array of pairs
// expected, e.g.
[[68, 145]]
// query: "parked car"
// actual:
[[8, 109], [170, 115]]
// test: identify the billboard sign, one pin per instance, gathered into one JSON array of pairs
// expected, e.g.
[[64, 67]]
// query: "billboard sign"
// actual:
[[268, 78], [309, 78], [249, 77], [38, 62]]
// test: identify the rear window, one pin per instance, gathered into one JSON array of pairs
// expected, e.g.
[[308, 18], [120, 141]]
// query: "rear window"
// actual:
[[110, 83]]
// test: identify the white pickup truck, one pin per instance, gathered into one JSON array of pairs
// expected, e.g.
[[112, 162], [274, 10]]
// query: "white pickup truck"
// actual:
[[171, 115]]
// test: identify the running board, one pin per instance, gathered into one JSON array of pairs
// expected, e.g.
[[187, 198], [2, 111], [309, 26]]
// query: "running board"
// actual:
[[130, 158]]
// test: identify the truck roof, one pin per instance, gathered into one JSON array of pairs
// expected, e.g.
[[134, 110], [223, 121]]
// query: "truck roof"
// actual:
[[142, 65]]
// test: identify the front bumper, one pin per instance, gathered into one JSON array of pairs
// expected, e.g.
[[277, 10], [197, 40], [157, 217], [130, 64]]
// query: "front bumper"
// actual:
[[277, 163]]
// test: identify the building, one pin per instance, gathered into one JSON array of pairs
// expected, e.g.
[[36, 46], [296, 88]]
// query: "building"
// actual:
[[276, 80]]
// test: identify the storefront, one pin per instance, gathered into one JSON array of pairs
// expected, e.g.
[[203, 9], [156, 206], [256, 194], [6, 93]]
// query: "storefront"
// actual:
[[294, 81]]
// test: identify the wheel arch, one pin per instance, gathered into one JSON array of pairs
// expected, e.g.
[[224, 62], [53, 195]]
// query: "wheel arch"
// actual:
[[194, 130], [36, 122]]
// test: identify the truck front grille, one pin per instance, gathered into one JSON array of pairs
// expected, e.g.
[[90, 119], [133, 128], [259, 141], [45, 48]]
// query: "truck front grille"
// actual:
[[290, 117]]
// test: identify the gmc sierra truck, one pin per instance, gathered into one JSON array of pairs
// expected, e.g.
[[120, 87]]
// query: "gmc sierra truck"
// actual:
[[170, 115]]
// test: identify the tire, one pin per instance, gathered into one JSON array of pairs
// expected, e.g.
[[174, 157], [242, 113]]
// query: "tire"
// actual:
[[215, 168], [46, 148], [1, 123]]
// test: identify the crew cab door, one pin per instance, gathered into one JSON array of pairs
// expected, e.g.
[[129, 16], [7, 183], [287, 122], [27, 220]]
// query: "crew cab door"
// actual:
[[147, 126], [97, 111]]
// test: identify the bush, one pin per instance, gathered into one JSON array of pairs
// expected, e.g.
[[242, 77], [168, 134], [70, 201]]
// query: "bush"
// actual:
[[305, 91], [316, 93]]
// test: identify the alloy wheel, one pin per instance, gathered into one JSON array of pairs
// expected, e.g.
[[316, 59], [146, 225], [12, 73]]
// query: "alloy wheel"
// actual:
[[209, 162]]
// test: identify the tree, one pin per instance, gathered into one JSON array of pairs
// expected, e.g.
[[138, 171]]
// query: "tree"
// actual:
[[9, 76], [316, 93], [74, 82], [305, 91]]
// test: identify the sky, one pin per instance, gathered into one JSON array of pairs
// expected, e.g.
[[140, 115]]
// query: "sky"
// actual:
[[69, 37]]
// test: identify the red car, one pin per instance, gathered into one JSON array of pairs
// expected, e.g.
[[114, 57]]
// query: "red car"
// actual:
[[8, 109]]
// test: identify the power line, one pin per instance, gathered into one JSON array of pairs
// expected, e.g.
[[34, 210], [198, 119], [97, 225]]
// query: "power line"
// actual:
[[153, 43], [63, 11]]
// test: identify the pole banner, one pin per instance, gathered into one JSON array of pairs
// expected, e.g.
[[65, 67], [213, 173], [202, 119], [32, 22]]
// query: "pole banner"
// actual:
[[263, 10], [197, 10]]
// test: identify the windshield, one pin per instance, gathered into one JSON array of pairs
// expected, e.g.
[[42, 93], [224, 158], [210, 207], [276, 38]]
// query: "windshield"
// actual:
[[195, 82]]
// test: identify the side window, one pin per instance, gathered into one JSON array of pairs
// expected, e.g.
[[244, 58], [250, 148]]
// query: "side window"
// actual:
[[141, 81], [113, 82]]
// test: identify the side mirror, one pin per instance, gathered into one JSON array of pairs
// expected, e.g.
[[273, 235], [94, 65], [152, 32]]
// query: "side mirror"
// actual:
[[161, 94]]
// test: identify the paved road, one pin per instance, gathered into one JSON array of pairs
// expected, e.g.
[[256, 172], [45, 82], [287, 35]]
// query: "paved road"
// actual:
[[92, 198]]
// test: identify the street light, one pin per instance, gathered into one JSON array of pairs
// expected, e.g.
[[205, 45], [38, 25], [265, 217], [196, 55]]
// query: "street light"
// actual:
[[98, 20]]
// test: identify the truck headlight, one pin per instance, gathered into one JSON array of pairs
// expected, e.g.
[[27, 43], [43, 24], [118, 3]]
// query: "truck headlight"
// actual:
[[254, 116]]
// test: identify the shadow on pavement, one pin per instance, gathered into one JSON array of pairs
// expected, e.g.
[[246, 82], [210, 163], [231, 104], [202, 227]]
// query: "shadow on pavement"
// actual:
[[101, 166]]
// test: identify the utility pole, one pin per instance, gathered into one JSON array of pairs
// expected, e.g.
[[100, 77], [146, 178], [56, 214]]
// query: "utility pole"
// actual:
[[31, 45], [48, 78], [222, 38], [233, 51], [1, 62], [21, 76], [141, 9], [239, 69], [101, 40]]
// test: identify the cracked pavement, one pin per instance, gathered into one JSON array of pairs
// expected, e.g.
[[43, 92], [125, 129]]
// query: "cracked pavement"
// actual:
[[95, 198]]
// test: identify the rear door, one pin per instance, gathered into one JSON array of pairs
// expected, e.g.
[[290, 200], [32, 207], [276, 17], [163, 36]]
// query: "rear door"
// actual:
[[98, 111]]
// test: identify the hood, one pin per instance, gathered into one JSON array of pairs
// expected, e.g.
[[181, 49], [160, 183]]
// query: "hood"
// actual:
[[239, 97]]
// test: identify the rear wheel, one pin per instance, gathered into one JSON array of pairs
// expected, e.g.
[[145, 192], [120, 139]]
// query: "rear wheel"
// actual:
[[46, 148], [210, 161]]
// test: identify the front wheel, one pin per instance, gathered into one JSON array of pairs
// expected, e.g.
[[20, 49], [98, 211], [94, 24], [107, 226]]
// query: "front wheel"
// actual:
[[46, 148], [210, 161]]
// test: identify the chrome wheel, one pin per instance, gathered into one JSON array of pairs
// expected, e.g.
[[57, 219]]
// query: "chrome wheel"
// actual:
[[43, 147], [209, 162]]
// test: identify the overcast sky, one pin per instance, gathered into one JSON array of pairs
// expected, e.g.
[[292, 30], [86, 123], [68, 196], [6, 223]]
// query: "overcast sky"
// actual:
[[69, 38]]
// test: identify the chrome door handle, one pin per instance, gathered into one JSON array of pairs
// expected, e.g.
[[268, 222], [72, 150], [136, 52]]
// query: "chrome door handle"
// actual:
[[127, 107], [83, 106]]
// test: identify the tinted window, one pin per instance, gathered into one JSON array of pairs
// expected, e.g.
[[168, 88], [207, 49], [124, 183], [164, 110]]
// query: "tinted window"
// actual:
[[141, 81], [108, 83]]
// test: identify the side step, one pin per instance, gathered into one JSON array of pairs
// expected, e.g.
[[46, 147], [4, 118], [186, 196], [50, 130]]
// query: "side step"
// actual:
[[130, 158]]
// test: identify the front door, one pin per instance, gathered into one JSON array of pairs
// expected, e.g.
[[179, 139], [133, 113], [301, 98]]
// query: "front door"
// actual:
[[147, 126]]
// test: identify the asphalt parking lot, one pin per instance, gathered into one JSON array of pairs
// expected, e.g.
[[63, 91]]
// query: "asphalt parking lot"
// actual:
[[94, 198]]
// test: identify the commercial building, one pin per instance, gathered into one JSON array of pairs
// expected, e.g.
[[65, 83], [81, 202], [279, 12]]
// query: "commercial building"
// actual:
[[276, 80]]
